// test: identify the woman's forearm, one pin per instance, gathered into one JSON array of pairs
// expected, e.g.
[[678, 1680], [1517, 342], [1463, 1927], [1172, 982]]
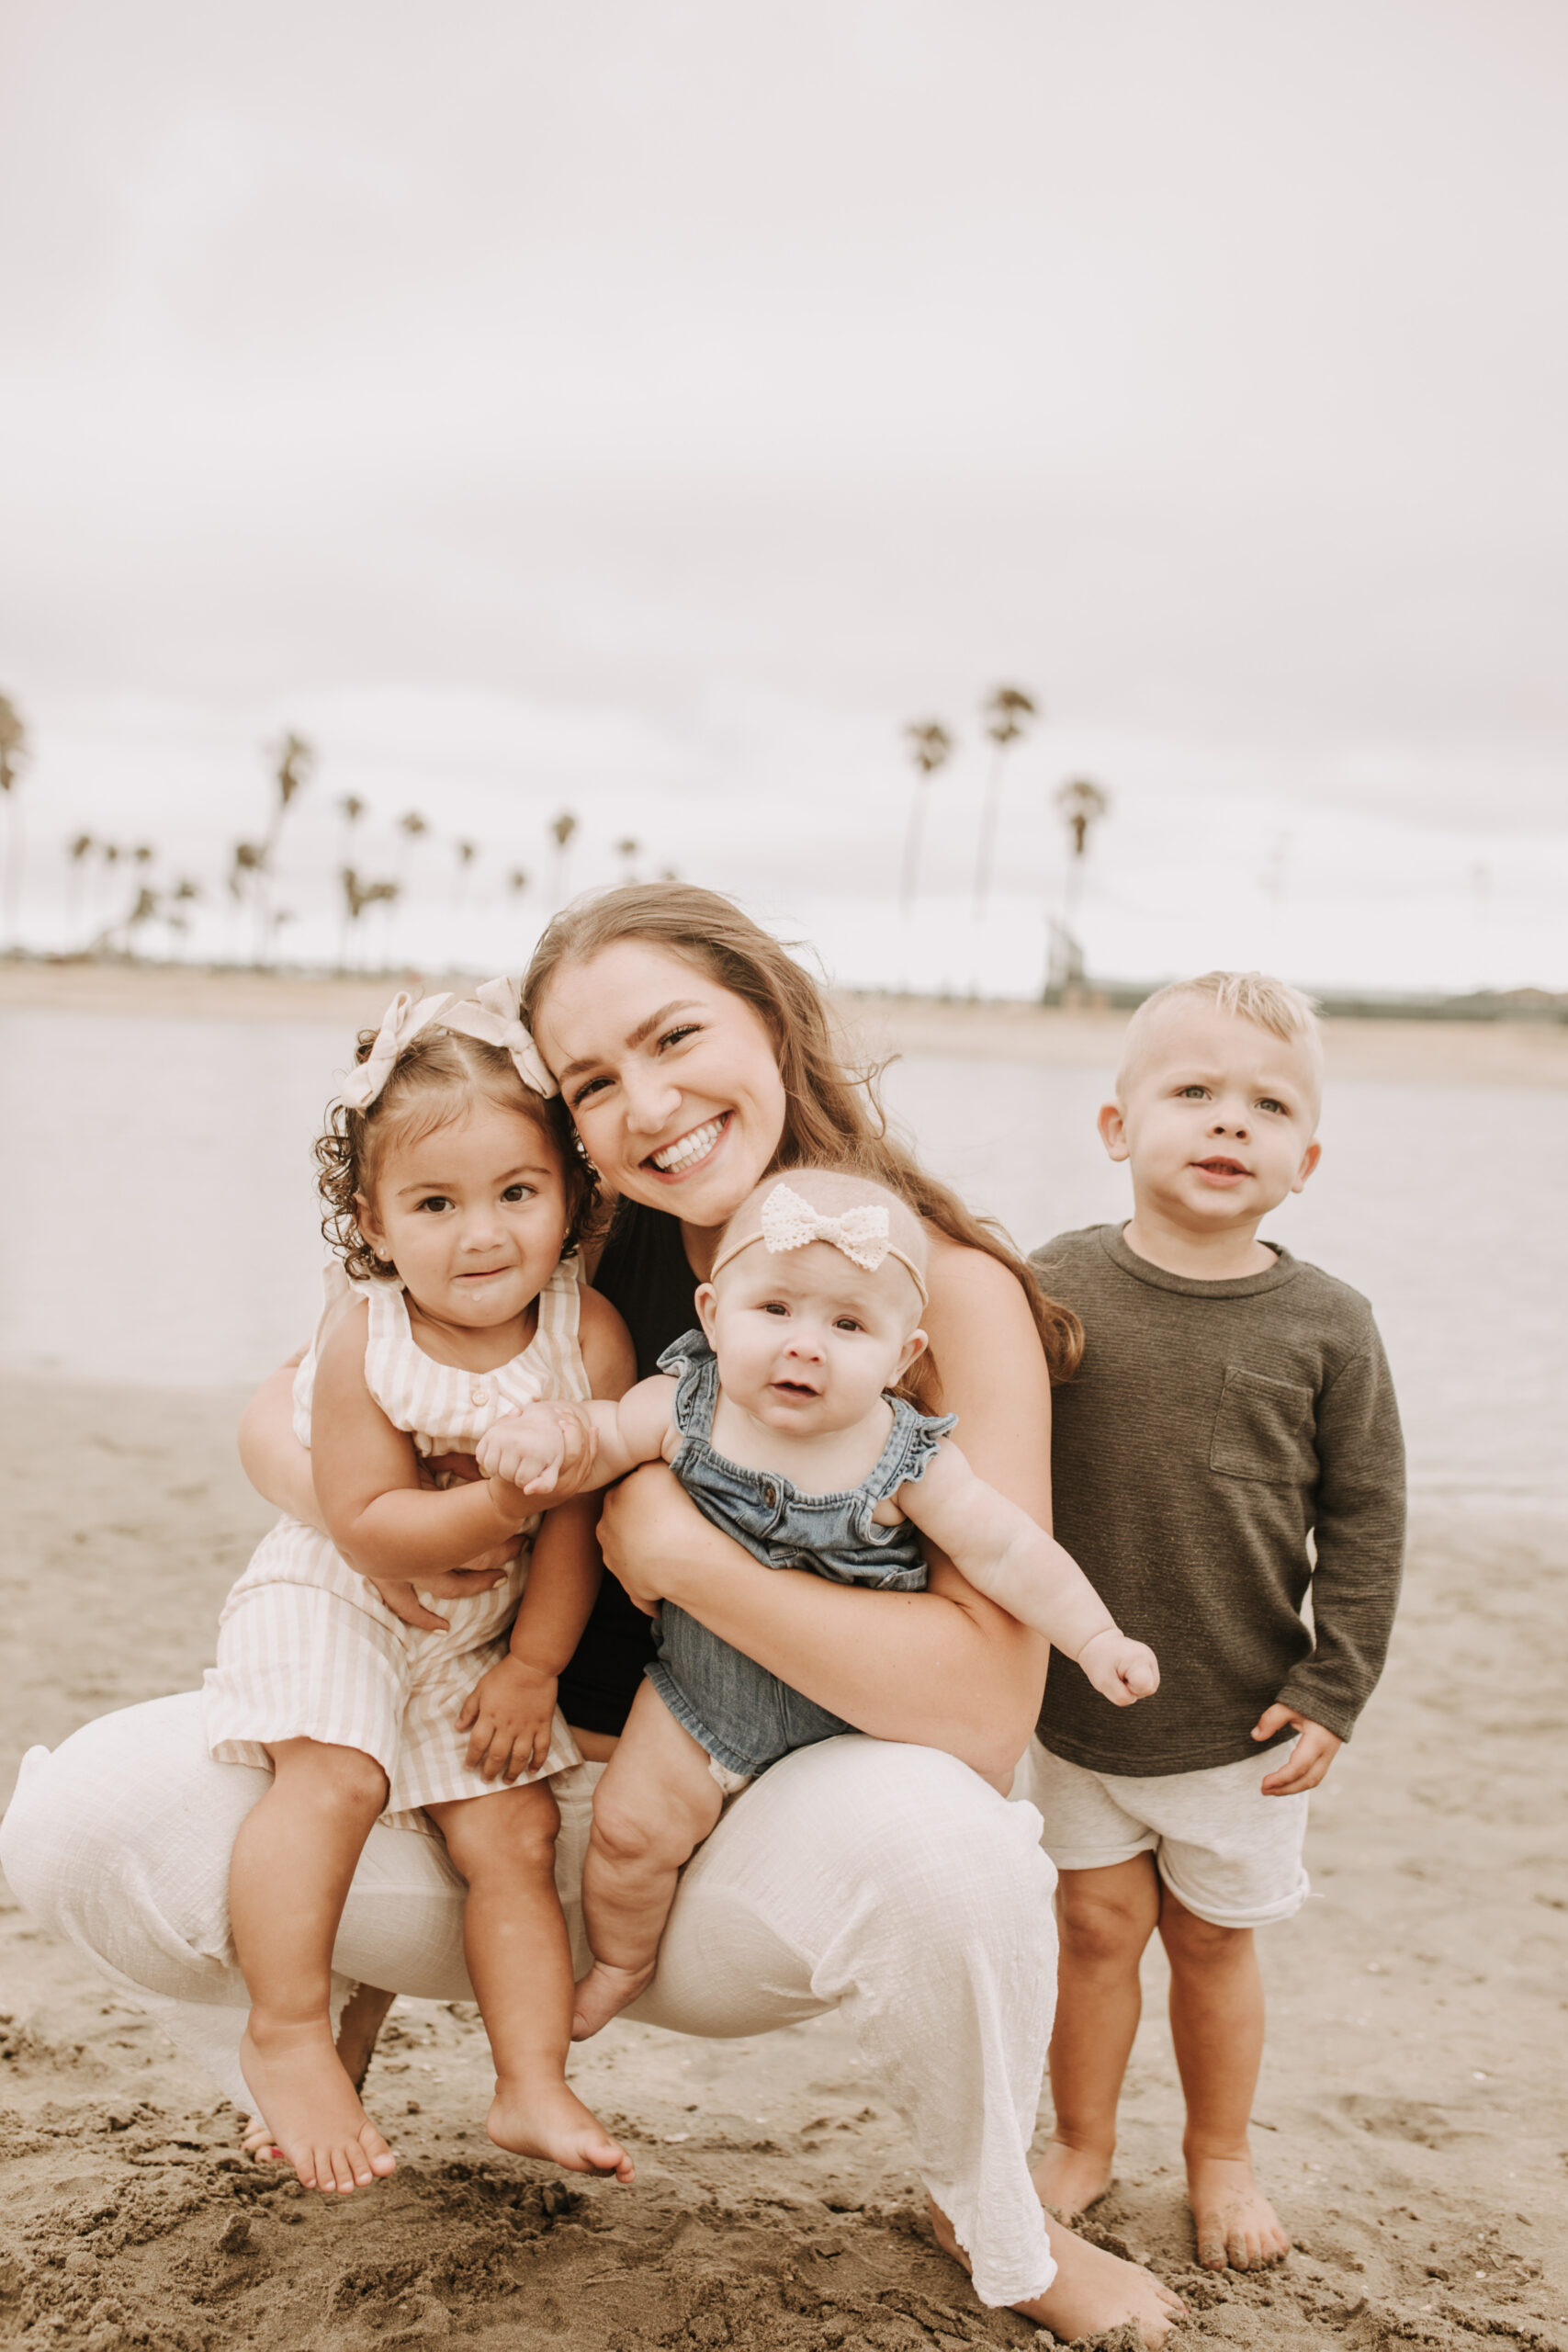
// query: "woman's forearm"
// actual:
[[272, 1457], [942, 1669], [916, 1667]]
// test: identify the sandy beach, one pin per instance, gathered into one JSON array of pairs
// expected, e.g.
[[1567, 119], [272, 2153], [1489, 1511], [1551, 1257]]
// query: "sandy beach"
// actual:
[[1411, 2119]]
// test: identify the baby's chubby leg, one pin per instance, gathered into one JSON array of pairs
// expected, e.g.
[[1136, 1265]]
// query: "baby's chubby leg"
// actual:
[[519, 1956], [294, 1859], [655, 1805]]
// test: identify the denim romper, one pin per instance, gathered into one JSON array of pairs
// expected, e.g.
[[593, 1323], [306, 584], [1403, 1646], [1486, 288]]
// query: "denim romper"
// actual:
[[744, 1716]]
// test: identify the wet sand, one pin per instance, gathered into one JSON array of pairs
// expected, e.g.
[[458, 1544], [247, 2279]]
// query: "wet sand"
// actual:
[[1410, 2122]]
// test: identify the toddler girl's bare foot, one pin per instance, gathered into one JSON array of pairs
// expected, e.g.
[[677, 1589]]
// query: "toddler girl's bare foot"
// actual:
[[603, 1993], [361, 2022], [552, 2123], [1237, 2224], [298, 2083], [1092, 2293], [1068, 2180]]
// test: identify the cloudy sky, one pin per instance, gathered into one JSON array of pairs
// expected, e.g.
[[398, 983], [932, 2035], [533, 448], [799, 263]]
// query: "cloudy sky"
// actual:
[[645, 411]]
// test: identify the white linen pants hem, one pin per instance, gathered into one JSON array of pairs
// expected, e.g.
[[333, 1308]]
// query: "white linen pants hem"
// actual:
[[889, 1881]]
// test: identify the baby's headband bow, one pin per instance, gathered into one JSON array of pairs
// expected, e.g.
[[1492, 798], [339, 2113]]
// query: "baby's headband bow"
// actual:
[[861, 1234], [490, 1014]]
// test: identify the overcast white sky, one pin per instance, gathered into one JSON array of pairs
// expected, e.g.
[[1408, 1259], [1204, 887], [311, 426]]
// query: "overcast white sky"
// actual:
[[648, 409]]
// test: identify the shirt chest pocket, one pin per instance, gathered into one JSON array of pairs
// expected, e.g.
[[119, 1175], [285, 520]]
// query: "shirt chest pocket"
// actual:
[[1264, 1429]]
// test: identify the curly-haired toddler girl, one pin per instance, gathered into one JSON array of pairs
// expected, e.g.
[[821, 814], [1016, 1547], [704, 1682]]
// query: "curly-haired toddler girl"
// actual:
[[455, 1200]]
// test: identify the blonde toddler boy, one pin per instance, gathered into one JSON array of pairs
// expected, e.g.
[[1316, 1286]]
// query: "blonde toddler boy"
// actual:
[[1230, 1443]]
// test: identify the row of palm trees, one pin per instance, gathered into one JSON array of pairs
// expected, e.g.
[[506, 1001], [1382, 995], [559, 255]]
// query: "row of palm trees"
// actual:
[[117, 903], [1006, 717], [127, 905]]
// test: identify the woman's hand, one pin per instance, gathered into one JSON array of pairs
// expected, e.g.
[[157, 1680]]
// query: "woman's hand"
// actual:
[[458, 1584], [646, 1531]]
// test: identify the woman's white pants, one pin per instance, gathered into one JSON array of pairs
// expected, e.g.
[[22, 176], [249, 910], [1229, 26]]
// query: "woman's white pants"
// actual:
[[888, 1881]]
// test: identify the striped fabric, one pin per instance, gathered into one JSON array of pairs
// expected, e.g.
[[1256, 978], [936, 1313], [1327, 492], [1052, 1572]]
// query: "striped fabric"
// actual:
[[307, 1649]]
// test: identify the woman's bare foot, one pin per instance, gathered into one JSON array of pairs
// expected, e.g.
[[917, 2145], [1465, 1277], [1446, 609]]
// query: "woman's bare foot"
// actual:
[[603, 1993], [1237, 2224], [298, 2083], [1092, 2293], [1067, 2181], [256, 2141], [359, 2027], [552, 2123]]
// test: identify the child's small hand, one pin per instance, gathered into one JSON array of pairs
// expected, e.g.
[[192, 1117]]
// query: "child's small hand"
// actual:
[[508, 1715], [1307, 1762], [525, 1450], [1121, 1670]]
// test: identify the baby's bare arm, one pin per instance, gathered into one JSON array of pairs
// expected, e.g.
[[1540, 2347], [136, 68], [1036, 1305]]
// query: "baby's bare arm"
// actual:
[[566, 1448], [1008, 1556]]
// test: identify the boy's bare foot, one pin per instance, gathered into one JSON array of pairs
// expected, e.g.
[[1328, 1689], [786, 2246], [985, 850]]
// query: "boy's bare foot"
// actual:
[[298, 2083], [1092, 2293], [603, 1993], [1237, 2224], [1067, 2181], [552, 2123]]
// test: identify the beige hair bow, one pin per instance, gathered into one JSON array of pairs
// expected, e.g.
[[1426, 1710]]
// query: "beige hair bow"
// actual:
[[862, 1233], [490, 1014]]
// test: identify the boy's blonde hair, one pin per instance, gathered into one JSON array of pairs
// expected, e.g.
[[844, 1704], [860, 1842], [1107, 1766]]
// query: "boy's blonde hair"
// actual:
[[1286, 1013]]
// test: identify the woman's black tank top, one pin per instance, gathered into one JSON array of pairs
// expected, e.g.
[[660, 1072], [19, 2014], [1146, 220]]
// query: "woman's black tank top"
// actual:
[[645, 1276]]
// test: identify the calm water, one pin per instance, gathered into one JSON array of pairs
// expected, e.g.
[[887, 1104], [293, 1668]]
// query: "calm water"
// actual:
[[158, 1221]]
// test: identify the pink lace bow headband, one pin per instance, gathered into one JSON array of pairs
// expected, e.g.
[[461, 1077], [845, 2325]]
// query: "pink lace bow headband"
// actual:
[[861, 1234], [490, 1014]]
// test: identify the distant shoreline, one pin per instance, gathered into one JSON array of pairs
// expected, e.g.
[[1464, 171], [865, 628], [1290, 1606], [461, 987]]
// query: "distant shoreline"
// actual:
[[1498, 1052]]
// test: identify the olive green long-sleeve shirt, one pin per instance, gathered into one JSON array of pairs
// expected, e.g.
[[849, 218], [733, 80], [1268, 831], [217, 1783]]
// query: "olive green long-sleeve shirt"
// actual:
[[1212, 1428]]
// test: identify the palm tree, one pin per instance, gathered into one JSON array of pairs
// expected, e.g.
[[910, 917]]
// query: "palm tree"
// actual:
[[1082, 805], [351, 809], [293, 762], [13, 750], [183, 894], [81, 848], [467, 853], [561, 831], [628, 851], [1006, 711], [517, 881], [247, 879], [413, 829], [357, 895], [930, 748], [295, 758]]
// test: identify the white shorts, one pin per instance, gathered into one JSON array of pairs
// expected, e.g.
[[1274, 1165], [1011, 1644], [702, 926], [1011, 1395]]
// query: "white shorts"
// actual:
[[1232, 1855], [296, 1661]]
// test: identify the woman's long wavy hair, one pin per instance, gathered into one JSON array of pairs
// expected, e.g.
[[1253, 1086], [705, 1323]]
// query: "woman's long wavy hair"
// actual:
[[834, 1116]]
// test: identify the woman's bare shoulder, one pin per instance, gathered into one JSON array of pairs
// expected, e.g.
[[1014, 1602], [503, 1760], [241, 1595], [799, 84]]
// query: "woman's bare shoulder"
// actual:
[[963, 1281]]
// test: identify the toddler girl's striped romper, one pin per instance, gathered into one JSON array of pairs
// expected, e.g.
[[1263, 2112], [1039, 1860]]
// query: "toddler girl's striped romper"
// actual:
[[307, 1649]]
